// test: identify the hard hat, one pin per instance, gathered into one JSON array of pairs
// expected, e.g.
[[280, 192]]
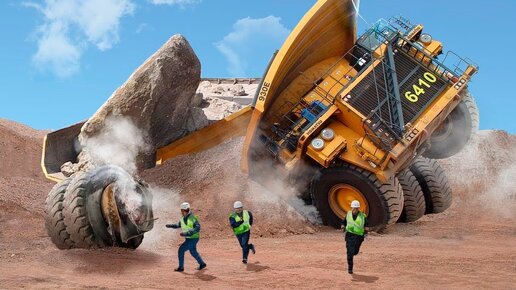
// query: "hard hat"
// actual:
[[355, 204], [185, 206], [238, 204]]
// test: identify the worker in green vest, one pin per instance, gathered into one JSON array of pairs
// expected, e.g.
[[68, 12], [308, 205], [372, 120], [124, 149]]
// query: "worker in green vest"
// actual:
[[241, 221], [355, 225], [190, 228]]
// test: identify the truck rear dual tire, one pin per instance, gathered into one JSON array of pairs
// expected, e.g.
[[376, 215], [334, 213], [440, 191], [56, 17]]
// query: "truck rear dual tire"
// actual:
[[434, 184], [54, 216], [384, 200], [413, 198], [456, 131]]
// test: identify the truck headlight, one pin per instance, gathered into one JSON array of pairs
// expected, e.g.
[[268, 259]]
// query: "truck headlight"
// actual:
[[327, 134], [425, 38], [317, 143]]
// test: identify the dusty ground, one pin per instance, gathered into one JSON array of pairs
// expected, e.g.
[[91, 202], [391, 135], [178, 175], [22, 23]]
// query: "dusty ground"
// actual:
[[472, 245]]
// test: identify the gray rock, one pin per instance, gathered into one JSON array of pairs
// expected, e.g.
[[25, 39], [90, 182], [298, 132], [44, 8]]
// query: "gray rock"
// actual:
[[197, 120], [238, 90], [197, 100], [157, 97], [218, 90]]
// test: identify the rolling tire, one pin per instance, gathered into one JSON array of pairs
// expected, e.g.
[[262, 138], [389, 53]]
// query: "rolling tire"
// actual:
[[434, 184], [413, 198], [83, 213], [384, 200], [54, 217], [76, 214], [456, 131], [133, 243]]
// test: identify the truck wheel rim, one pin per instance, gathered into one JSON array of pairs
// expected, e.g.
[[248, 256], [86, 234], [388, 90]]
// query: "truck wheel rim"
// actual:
[[341, 196]]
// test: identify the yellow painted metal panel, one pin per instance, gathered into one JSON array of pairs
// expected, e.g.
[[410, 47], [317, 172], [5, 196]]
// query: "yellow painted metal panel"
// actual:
[[206, 138]]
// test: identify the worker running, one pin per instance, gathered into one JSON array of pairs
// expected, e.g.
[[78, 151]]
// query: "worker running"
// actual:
[[190, 229], [355, 225], [241, 221]]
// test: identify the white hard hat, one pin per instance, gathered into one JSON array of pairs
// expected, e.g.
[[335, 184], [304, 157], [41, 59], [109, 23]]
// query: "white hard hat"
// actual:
[[355, 204], [238, 204], [185, 206]]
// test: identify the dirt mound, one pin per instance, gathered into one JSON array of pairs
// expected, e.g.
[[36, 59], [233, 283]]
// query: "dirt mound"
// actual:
[[211, 181], [20, 150], [21, 180], [486, 167]]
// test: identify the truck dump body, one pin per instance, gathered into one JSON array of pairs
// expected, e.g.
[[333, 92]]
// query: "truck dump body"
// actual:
[[327, 31], [387, 92]]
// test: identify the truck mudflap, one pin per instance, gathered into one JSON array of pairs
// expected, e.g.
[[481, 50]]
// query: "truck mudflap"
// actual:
[[219, 132]]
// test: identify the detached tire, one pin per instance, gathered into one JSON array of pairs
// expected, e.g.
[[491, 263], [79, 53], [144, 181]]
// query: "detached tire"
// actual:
[[434, 184], [83, 212], [384, 201], [76, 214], [456, 130], [54, 217], [413, 198]]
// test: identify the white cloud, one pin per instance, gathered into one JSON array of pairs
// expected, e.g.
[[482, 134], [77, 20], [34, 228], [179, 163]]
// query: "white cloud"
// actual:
[[249, 39], [174, 2], [71, 25], [56, 51]]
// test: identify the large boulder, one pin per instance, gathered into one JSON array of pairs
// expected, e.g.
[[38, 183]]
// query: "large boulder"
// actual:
[[156, 99]]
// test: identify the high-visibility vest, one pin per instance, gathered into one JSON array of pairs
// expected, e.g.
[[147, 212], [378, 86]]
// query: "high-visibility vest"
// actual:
[[245, 226], [355, 226], [189, 225]]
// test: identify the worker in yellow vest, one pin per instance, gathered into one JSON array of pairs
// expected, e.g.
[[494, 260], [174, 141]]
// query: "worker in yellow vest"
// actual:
[[355, 225], [190, 228], [241, 221]]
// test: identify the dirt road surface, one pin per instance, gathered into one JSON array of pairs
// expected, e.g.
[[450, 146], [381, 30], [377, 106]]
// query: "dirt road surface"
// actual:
[[471, 245], [451, 250]]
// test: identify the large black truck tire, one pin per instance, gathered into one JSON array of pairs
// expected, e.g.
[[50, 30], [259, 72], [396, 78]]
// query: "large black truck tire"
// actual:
[[434, 184], [413, 198], [456, 130], [54, 217], [333, 189], [83, 213]]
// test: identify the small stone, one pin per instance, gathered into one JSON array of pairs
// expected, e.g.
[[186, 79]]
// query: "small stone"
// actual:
[[238, 90]]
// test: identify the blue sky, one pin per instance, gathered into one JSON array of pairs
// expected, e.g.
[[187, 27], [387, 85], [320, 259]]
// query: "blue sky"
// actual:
[[61, 59]]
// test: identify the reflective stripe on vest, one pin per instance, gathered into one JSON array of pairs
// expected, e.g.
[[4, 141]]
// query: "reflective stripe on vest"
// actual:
[[355, 226], [188, 226], [245, 226]]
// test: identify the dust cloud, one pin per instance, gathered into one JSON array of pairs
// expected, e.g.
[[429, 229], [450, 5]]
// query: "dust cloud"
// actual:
[[118, 143], [485, 172]]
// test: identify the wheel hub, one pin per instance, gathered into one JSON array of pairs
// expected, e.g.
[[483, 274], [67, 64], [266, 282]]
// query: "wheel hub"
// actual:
[[341, 196]]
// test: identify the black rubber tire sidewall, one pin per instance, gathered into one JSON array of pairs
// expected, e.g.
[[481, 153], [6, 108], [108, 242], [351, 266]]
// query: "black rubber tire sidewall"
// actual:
[[434, 184], [54, 216], [379, 214], [414, 205], [464, 122], [81, 214]]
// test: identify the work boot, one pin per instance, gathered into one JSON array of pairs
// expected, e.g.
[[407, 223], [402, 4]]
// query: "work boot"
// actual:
[[179, 269], [253, 249], [350, 271], [244, 261], [201, 266]]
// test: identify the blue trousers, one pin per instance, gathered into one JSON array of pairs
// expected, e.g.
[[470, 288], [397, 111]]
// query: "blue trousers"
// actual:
[[243, 240], [189, 245]]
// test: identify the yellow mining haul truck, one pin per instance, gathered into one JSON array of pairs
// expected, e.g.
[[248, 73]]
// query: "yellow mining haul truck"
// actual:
[[341, 117]]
